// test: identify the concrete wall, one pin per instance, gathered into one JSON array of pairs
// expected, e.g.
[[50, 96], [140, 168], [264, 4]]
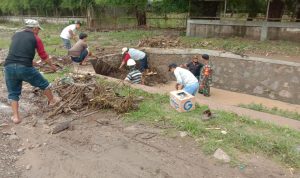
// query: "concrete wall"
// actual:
[[253, 30], [58, 20], [273, 79]]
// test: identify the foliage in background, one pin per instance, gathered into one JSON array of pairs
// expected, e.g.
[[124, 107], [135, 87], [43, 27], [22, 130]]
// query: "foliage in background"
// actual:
[[170, 6], [82, 7], [276, 111]]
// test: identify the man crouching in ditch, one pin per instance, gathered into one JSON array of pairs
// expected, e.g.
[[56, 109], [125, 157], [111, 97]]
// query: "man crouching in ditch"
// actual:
[[19, 63]]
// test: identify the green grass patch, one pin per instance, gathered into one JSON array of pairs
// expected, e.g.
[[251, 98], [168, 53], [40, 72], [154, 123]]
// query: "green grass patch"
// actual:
[[128, 37], [4, 43], [242, 46], [53, 43], [276, 111], [59, 74], [244, 135]]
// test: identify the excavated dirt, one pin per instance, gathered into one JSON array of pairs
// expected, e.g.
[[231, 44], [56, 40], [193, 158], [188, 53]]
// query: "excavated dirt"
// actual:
[[105, 67]]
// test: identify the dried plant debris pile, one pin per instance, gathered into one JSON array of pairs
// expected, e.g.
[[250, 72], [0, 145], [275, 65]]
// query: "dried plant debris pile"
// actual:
[[59, 62], [83, 92], [104, 68], [160, 42], [99, 51]]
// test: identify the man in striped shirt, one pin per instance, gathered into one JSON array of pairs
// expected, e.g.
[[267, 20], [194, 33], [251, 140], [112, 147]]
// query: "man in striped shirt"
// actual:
[[134, 76]]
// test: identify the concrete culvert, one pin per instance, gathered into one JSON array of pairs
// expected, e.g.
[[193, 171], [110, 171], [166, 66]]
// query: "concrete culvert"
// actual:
[[108, 65]]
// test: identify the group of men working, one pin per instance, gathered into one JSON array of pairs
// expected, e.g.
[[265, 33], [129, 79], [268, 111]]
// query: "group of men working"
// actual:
[[19, 64], [193, 76], [80, 51], [191, 80]]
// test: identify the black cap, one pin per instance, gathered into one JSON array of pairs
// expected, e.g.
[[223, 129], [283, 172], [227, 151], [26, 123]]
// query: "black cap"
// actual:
[[205, 57], [78, 22], [173, 65], [82, 35]]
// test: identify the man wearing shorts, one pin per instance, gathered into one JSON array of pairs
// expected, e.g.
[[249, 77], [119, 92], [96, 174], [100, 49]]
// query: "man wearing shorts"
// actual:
[[19, 63]]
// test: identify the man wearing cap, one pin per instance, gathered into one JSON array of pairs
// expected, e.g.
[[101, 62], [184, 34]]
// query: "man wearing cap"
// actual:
[[69, 33], [194, 66], [18, 66], [137, 55], [185, 79]]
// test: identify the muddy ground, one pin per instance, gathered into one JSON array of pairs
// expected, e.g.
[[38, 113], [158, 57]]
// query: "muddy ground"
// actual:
[[103, 145]]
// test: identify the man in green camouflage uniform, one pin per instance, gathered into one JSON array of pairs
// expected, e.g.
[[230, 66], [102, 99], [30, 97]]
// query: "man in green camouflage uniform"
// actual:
[[205, 79]]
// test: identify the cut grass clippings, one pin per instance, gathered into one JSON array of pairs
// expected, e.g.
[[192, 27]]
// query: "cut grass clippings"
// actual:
[[276, 111], [243, 134]]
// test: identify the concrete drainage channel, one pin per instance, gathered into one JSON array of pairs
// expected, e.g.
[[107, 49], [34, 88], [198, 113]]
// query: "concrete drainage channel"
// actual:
[[108, 65], [274, 79]]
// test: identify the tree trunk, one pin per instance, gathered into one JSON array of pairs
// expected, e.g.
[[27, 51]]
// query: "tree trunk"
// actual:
[[276, 10], [89, 17], [205, 9], [253, 8], [298, 11], [141, 16], [251, 16]]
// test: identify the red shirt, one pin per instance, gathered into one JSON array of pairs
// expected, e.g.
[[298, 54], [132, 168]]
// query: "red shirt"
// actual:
[[126, 57], [40, 48]]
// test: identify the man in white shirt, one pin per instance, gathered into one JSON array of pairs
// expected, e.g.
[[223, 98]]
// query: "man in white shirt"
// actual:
[[185, 79], [69, 33]]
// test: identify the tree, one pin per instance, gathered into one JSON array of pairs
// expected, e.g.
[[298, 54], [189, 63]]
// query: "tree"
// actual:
[[205, 9], [276, 9], [169, 6], [71, 5], [298, 11], [139, 6], [11, 6], [254, 7]]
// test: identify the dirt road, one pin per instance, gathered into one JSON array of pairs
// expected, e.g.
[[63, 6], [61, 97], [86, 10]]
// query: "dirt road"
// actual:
[[103, 146]]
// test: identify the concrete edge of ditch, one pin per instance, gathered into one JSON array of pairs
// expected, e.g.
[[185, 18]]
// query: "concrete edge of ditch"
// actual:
[[188, 51], [256, 115]]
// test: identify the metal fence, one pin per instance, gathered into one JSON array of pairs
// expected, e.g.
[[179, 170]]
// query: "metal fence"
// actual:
[[114, 18]]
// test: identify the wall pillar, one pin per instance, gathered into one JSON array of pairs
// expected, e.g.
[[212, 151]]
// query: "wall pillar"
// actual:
[[264, 32], [188, 28]]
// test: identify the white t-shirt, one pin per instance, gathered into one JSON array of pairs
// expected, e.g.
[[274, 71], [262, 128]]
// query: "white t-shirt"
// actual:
[[136, 54], [184, 76], [65, 33]]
